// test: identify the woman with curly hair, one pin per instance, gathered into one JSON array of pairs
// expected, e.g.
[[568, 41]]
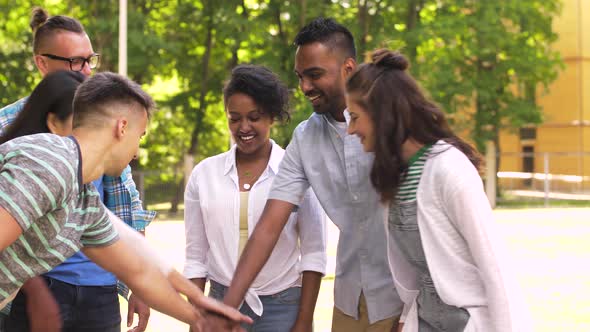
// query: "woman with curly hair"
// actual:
[[225, 197]]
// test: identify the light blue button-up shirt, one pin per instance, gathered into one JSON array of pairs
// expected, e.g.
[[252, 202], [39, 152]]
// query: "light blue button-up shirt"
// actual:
[[338, 170]]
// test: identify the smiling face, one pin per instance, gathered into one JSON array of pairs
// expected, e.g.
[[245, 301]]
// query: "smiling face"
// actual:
[[322, 73], [361, 124], [249, 125], [65, 44]]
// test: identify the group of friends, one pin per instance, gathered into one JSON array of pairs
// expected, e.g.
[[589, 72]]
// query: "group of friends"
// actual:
[[418, 249]]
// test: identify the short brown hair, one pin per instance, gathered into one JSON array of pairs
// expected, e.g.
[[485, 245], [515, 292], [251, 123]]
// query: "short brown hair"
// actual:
[[97, 93]]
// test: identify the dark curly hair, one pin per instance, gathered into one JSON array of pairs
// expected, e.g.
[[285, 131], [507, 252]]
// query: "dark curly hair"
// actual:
[[328, 32], [263, 86], [399, 110], [44, 27]]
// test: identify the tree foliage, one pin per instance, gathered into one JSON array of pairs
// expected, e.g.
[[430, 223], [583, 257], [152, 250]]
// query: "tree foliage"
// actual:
[[483, 61]]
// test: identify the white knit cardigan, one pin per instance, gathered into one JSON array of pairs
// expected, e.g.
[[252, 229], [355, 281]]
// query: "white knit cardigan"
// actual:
[[465, 254]]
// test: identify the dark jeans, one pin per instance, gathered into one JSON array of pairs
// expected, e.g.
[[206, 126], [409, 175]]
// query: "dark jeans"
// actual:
[[82, 308], [279, 310]]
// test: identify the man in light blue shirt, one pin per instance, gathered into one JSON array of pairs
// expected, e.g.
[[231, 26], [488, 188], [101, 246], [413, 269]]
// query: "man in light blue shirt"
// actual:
[[322, 155]]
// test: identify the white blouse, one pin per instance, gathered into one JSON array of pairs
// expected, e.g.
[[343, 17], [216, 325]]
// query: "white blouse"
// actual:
[[212, 222], [466, 256]]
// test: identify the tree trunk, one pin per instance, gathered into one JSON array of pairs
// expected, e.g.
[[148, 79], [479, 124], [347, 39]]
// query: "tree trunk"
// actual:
[[363, 21], [194, 141], [235, 59], [303, 5], [204, 88], [412, 24]]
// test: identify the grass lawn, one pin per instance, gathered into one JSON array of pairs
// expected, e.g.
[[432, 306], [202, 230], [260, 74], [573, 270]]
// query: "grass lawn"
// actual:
[[551, 249]]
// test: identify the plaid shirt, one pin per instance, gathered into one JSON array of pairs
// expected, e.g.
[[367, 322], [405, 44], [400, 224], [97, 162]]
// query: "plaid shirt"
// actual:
[[120, 194], [121, 197], [9, 113]]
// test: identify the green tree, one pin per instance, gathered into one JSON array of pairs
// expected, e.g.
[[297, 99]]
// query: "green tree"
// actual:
[[489, 55], [482, 61]]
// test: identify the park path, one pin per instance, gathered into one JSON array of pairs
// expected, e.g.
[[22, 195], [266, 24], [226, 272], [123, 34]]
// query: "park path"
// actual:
[[551, 249]]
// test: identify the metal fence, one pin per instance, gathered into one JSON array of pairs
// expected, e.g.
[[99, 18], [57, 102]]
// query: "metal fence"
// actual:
[[541, 178], [159, 191], [544, 176]]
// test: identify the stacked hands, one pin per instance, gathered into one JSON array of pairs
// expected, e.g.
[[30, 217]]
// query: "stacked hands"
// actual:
[[205, 314], [208, 314]]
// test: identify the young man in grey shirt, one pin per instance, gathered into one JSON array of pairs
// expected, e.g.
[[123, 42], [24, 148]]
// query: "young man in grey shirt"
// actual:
[[49, 210]]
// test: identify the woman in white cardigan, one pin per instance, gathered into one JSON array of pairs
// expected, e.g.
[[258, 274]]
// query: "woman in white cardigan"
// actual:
[[447, 260], [225, 197]]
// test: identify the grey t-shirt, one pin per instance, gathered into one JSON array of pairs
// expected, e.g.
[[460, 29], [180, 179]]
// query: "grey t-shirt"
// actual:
[[41, 187]]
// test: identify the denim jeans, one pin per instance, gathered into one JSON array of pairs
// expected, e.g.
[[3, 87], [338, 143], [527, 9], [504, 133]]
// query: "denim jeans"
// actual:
[[433, 314], [279, 310], [82, 308]]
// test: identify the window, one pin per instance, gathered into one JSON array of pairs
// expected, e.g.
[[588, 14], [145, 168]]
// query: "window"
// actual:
[[528, 162]]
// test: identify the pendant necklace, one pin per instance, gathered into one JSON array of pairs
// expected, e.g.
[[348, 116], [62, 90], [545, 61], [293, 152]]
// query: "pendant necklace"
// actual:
[[247, 186]]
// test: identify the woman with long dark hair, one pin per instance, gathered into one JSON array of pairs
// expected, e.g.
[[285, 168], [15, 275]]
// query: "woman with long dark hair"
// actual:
[[446, 258], [48, 109]]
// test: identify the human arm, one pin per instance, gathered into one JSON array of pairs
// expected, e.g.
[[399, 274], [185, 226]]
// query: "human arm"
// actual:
[[256, 252], [11, 229], [310, 288], [153, 279], [200, 282], [258, 249], [311, 221], [140, 219], [288, 189], [136, 306], [41, 307]]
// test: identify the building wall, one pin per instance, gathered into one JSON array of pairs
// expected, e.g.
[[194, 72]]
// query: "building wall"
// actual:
[[566, 106]]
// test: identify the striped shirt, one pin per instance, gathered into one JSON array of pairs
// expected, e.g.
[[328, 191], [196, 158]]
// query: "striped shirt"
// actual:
[[410, 180], [41, 187]]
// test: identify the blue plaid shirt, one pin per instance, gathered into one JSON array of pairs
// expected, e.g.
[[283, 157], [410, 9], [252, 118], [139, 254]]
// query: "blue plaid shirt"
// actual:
[[120, 194], [9, 113], [121, 197]]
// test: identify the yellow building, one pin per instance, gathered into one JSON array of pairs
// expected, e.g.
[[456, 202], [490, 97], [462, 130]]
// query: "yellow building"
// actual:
[[565, 134]]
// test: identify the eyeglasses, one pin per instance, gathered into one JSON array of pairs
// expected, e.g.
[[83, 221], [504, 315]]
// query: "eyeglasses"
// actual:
[[77, 63]]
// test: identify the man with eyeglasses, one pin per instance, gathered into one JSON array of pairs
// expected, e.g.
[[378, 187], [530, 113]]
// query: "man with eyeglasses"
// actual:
[[46, 304], [77, 63]]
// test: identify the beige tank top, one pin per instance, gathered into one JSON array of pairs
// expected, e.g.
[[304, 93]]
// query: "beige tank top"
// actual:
[[243, 221]]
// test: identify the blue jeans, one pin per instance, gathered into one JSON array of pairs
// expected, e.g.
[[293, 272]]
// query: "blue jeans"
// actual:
[[82, 308], [279, 310]]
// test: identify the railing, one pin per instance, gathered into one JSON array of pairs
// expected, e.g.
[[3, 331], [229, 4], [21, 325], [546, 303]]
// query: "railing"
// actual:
[[555, 176]]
